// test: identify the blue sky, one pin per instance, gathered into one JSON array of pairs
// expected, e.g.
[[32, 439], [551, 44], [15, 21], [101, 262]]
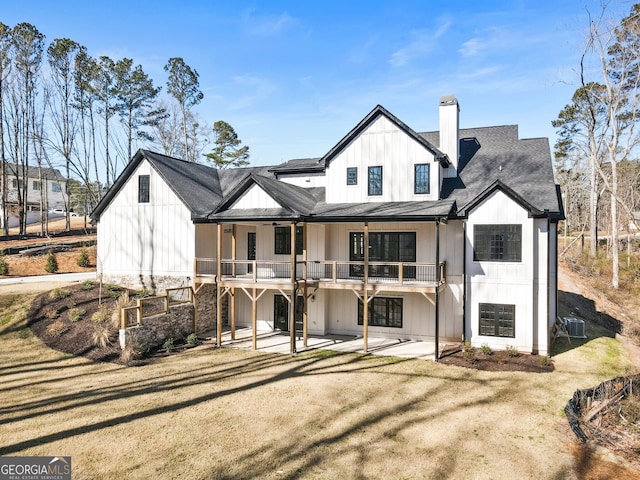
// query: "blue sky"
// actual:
[[294, 77]]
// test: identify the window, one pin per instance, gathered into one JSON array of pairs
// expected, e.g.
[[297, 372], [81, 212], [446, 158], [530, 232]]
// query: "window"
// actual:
[[143, 188], [37, 185], [383, 312], [497, 320], [55, 187], [15, 183], [352, 175], [384, 247], [283, 240], [497, 243], [421, 178], [375, 180]]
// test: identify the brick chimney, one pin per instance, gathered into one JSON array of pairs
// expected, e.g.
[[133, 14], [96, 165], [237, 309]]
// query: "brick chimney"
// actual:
[[449, 130]]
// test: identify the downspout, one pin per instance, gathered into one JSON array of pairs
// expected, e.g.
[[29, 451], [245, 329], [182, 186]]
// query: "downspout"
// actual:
[[464, 281], [438, 279], [218, 291], [365, 292], [292, 304]]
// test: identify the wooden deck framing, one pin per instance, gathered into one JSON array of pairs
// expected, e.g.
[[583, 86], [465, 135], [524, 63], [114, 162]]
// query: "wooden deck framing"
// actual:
[[237, 277]]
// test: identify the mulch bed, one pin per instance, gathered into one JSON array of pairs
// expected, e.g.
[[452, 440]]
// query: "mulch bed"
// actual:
[[77, 339], [498, 361]]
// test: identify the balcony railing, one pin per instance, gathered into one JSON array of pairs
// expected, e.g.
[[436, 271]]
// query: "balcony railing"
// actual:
[[324, 271]]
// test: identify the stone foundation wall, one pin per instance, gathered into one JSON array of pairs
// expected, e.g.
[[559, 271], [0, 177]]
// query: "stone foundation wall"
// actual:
[[206, 302], [177, 323]]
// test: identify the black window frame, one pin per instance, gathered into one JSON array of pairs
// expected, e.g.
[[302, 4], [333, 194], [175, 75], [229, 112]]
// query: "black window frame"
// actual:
[[379, 312], [375, 180], [352, 176], [144, 183], [497, 320], [497, 243], [421, 187], [282, 240], [384, 247]]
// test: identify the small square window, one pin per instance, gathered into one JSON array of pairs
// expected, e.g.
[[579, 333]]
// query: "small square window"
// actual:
[[421, 178], [143, 189], [352, 175], [55, 187], [37, 185], [375, 180]]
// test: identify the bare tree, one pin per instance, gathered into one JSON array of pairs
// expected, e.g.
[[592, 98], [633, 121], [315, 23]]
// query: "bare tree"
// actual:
[[61, 54], [184, 86], [28, 47], [5, 68], [618, 52]]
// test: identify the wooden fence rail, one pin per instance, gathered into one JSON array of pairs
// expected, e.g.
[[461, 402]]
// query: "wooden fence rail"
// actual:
[[156, 305]]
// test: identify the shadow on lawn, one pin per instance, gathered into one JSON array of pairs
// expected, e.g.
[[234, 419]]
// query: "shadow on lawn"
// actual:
[[349, 439]]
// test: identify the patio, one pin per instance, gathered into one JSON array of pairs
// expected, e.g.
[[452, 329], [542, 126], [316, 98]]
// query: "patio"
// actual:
[[279, 342]]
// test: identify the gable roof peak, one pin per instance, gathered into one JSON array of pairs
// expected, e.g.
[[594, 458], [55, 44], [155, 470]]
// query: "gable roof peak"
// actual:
[[378, 111]]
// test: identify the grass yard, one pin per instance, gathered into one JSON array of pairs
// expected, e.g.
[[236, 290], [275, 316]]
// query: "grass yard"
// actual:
[[225, 414]]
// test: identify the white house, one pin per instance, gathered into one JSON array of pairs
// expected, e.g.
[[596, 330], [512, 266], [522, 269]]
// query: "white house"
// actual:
[[437, 236], [48, 181]]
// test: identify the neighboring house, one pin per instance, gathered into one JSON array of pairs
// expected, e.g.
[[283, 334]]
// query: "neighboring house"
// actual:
[[39, 180], [440, 236]]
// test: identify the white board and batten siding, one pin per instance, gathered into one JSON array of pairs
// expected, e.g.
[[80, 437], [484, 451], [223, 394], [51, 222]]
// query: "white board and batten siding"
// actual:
[[255, 197], [154, 238], [523, 284], [381, 144]]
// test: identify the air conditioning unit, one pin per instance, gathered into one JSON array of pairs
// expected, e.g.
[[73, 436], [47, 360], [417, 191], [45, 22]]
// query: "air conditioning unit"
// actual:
[[575, 327]]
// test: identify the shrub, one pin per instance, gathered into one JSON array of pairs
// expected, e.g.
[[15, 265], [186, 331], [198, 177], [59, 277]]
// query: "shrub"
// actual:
[[192, 339], [512, 351], [57, 328], [88, 285], [101, 316], [52, 263], [83, 259], [4, 266], [59, 293], [101, 335], [167, 346], [51, 312], [112, 291], [122, 301], [144, 293], [468, 352], [486, 349], [76, 314], [545, 361], [134, 349]]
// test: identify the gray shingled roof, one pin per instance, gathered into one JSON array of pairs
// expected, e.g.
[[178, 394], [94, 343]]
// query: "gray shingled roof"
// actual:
[[495, 154], [491, 157], [33, 172]]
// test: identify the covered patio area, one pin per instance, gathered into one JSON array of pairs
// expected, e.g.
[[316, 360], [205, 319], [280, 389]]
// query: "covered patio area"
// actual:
[[280, 342]]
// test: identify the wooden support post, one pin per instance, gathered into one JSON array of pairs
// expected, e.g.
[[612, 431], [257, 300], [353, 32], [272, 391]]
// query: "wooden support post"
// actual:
[[218, 292], [233, 313], [292, 304], [305, 313], [254, 319], [437, 305], [233, 250], [365, 300]]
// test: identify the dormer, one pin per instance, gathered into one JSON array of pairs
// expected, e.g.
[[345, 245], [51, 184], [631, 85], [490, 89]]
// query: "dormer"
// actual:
[[383, 160]]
